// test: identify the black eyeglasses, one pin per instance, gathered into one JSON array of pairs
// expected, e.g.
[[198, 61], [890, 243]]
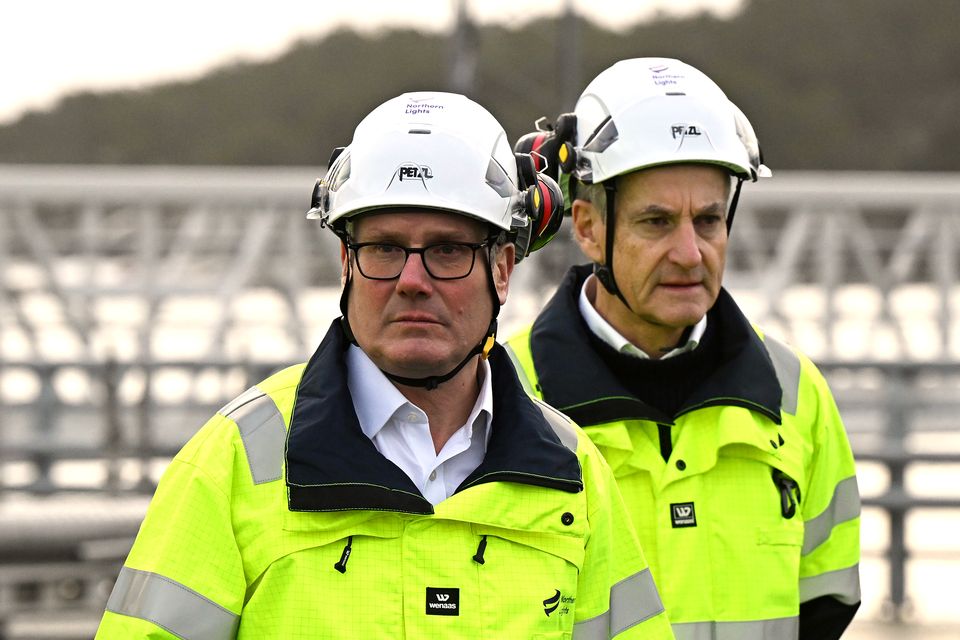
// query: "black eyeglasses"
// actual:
[[443, 261]]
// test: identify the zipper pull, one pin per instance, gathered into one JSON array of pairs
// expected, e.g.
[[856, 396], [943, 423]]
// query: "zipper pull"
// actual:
[[788, 487], [481, 548], [341, 566]]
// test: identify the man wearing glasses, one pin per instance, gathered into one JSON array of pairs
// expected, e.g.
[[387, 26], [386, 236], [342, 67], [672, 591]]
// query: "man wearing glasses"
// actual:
[[401, 484]]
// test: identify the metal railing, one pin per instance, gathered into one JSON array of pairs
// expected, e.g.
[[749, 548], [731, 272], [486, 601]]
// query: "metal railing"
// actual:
[[135, 302]]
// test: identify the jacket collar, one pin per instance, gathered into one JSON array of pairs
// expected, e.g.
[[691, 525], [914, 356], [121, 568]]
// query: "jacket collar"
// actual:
[[331, 465], [575, 380]]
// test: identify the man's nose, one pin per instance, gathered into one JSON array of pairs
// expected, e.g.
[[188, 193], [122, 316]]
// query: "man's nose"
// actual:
[[413, 277], [685, 248]]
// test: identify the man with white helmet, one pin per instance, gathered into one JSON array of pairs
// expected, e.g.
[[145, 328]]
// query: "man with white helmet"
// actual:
[[726, 443], [400, 484]]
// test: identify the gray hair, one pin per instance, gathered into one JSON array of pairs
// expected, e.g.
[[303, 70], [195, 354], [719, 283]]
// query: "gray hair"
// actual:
[[595, 194]]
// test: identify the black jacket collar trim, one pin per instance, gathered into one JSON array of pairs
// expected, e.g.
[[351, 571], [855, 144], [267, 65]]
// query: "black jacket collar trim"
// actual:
[[575, 380], [331, 465]]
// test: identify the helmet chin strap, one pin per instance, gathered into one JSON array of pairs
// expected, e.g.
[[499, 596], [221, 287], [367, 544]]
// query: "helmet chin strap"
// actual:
[[604, 272], [733, 204], [431, 382]]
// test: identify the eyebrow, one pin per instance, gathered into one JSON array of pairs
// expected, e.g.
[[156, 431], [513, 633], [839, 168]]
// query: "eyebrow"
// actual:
[[656, 209]]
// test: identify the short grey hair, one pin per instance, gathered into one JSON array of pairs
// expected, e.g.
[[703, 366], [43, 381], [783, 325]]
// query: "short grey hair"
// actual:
[[595, 194], [498, 244]]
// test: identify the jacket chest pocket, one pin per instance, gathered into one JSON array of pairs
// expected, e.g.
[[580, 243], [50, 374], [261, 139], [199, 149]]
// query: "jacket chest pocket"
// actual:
[[753, 511], [529, 582]]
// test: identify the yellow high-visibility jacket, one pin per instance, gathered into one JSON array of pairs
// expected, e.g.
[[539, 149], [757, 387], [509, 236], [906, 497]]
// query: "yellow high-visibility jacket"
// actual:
[[280, 519], [751, 526]]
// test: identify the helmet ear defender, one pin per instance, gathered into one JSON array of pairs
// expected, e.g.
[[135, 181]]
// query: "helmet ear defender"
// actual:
[[541, 155], [551, 145], [542, 205], [553, 149]]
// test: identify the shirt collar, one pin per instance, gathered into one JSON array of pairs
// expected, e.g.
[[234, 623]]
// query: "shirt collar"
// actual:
[[376, 400], [606, 332]]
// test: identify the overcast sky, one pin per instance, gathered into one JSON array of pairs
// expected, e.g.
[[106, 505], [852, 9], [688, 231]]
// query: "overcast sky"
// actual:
[[49, 48]]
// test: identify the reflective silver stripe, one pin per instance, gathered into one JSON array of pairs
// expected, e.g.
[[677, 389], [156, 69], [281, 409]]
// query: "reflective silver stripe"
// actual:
[[250, 394], [632, 601], [262, 431], [787, 365], [172, 606], [521, 374], [842, 584], [844, 506], [777, 629], [561, 424]]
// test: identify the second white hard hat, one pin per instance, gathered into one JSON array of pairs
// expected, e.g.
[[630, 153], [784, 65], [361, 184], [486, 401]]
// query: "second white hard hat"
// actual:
[[645, 112]]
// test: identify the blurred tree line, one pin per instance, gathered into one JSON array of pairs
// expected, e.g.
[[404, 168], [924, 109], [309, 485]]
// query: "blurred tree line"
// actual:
[[828, 84]]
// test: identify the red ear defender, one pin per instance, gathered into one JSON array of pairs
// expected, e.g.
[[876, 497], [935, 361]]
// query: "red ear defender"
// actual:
[[544, 201], [550, 145], [566, 132], [567, 156], [532, 144]]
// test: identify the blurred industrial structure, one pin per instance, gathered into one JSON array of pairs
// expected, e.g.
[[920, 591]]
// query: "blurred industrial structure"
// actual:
[[136, 301]]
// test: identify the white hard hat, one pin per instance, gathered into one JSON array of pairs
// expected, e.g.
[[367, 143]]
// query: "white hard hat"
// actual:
[[430, 150], [645, 112]]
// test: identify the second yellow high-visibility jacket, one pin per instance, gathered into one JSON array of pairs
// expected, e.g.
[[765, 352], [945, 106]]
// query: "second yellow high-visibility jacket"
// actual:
[[745, 500], [280, 519]]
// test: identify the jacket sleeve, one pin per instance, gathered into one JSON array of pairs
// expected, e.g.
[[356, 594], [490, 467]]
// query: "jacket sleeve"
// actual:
[[829, 561], [183, 577], [616, 596]]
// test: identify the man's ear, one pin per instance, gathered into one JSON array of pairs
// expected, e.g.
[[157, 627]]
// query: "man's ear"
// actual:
[[502, 268], [589, 229], [344, 263]]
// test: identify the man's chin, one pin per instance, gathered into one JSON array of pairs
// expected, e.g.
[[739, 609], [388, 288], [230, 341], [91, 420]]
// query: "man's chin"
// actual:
[[682, 322], [683, 313], [420, 365]]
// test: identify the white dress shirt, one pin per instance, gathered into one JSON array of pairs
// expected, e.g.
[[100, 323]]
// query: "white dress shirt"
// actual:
[[400, 431], [605, 331]]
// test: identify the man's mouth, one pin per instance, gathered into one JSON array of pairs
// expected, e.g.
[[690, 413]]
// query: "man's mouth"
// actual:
[[415, 318]]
